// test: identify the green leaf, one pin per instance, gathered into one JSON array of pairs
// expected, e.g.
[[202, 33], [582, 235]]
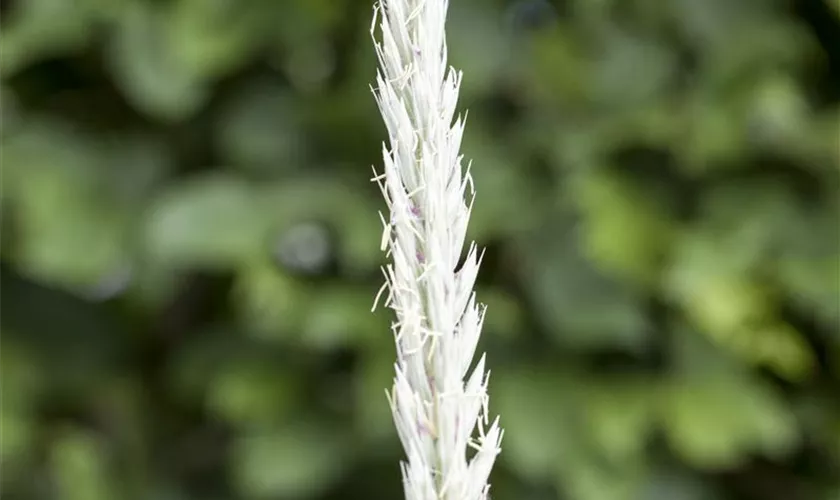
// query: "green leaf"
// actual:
[[810, 263], [215, 221], [342, 317], [710, 278], [750, 221], [620, 436], [716, 25], [11, 114], [258, 130], [718, 421], [270, 301], [558, 69], [667, 484], [614, 420], [505, 316], [586, 478], [506, 202], [193, 368], [714, 137], [147, 69], [783, 349], [22, 375], [18, 430], [310, 65], [134, 166], [39, 29], [344, 209], [625, 56], [79, 466], [249, 391], [373, 417], [307, 19], [212, 38], [720, 303], [779, 113], [580, 306], [297, 461], [71, 231], [626, 230], [477, 45], [812, 285], [537, 409], [68, 238]]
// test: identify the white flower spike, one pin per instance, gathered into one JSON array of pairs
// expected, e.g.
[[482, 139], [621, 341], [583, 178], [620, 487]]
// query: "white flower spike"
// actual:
[[437, 403]]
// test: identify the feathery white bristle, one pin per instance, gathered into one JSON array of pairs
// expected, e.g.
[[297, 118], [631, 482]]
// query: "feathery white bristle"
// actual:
[[429, 196]]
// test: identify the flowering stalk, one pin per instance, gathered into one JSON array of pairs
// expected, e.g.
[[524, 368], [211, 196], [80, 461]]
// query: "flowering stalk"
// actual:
[[436, 404]]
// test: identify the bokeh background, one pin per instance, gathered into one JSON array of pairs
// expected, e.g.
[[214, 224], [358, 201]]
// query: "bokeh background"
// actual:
[[190, 248]]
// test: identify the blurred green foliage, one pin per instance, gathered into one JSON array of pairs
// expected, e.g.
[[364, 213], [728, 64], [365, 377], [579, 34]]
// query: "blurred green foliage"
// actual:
[[190, 248]]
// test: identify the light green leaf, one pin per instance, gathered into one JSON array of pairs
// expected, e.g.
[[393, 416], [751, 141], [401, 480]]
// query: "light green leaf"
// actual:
[[714, 137], [626, 231], [376, 375], [11, 113], [38, 29], [809, 263], [270, 301], [80, 467], [558, 69], [538, 408], [252, 391], [813, 285], [342, 317], [713, 25], [18, 431], [587, 478], [779, 113], [717, 422], [477, 45], [23, 377], [72, 233], [782, 348], [506, 202], [711, 279], [614, 73], [580, 306], [620, 436], [721, 302], [147, 69], [258, 130], [297, 461], [212, 38], [68, 239], [215, 221], [505, 316], [193, 368], [676, 485]]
